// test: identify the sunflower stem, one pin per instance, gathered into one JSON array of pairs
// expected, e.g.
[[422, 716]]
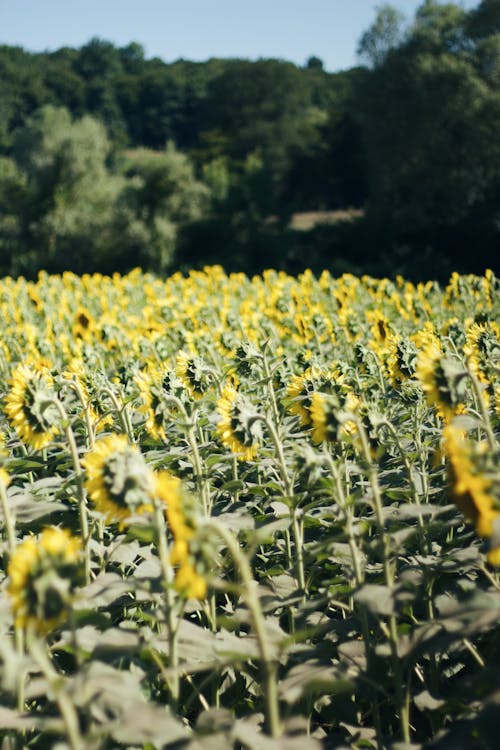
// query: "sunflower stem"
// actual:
[[10, 533], [121, 412], [82, 503], [392, 632], [297, 529], [167, 575], [250, 596], [58, 686], [483, 410]]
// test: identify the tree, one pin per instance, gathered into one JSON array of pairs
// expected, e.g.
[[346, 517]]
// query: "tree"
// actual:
[[430, 123], [70, 196], [161, 196], [385, 34]]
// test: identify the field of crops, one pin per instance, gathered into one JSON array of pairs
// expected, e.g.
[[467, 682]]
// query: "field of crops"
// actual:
[[249, 513]]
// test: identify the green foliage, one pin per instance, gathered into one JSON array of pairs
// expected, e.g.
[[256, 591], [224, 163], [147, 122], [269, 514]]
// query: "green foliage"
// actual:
[[430, 111], [63, 207], [411, 138]]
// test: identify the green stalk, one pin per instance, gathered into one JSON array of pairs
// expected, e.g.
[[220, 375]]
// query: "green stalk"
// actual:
[[10, 533], [297, 528], [195, 453], [82, 504], [168, 577], [66, 707], [492, 444], [392, 633], [269, 665], [121, 412]]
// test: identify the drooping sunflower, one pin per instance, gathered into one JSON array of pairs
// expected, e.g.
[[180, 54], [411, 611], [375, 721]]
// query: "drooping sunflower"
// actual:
[[119, 481], [181, 524], [28, 407], [155, 384], [482, 349], [402, 359], [327, 420], [78, 375], [238, 428], [443, 380], [470, 489], [194, 374], [44, 572]]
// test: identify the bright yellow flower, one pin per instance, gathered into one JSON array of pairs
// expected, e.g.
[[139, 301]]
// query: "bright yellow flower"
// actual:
[[27, 407], [187, 580], [119, 482], [237, 428], [193, 373], [327, 424], [470, 490], [43, 573]]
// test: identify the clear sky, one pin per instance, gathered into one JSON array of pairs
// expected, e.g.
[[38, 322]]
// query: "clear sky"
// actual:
[[200, 29]]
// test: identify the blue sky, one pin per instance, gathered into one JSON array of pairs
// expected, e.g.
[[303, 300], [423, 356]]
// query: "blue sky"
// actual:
[[200, 29]]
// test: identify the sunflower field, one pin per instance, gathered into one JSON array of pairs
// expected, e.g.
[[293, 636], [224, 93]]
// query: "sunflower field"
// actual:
[[249, 513]]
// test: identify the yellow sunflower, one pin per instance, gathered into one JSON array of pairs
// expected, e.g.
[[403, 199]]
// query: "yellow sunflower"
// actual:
[[442, 378], [193, 373], [470, 490], [27, 405], [300, 389], [326, 419], [119, 482], [43, 573], [188, 581], [238, 429]]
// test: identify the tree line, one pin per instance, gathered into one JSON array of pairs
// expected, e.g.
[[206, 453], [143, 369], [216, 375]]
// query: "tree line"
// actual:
[[109, 160]]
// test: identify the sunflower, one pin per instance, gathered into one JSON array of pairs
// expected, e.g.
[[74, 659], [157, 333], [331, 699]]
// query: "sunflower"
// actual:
[[44, 572], [27, 405], [327, 420], [470, 490], [482, 349], [443, 380], [238, 428], [180, 519], [402, 359], [300, 390], [194, 374], [154, 384], [79, 376], [119, 482], [83, 327], [380, 330]]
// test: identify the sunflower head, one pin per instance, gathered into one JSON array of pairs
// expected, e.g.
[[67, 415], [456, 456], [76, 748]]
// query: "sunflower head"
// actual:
[[470, 487], [29, 405], [239, 428], [331, 417], [482, 348], [194, 374], [44, 572], [119, 482], [187, 551], [247, 359], [443, 379], [402, 359]]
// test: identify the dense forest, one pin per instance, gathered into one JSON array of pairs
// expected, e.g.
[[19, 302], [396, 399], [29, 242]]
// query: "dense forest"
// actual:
[[109, 160]]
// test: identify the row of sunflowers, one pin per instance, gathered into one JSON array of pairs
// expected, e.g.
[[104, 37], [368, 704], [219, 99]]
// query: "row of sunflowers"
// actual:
[[256, 510]]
